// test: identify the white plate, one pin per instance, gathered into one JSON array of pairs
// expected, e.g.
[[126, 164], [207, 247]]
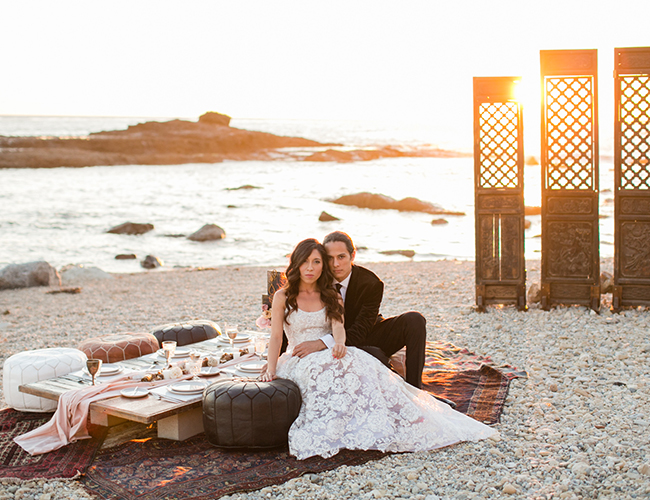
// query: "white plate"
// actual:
[[242, 374], [242, 338], [110, 370], [209, 371], [179, 353], [252, 366], [136, 392], [187, 387]]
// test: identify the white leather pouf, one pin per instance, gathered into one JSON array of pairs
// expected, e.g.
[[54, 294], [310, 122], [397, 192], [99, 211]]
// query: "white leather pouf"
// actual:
[[32, 366]]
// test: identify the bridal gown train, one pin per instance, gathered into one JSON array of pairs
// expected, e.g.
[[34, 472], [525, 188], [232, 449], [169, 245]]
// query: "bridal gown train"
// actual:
[[357, 403]]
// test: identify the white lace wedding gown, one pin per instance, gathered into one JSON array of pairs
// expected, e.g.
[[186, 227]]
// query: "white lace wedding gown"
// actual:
[[357, 403]]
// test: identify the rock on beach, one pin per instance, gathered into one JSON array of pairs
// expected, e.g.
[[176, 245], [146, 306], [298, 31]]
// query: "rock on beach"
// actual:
[[29, 274], [131, 228], [209, 232], [383, 202]]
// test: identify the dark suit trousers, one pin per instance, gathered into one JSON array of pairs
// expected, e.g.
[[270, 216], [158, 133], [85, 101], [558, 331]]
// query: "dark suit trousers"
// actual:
[[408, 329]]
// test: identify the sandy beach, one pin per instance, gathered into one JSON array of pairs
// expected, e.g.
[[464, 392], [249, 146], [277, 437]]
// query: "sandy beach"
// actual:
[[576, 428]]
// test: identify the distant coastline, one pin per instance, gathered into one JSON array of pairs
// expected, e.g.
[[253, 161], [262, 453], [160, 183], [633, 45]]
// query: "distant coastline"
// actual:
[[210, 140]]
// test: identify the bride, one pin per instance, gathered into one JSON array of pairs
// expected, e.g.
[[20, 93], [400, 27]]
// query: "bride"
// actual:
[[349, 398]]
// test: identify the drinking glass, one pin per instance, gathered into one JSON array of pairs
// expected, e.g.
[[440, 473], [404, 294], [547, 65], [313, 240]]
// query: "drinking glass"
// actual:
[[194, 366], [231, 332], [260, 346], [93, 366], [169, 348]]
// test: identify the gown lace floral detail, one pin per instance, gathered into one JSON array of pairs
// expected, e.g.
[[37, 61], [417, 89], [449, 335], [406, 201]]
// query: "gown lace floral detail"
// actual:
[[357, 403]]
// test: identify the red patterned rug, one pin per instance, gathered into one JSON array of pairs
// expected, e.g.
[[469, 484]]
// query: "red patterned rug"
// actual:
[[159, 469], [67, 462]]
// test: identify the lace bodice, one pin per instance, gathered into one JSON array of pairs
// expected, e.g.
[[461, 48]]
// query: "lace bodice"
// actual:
[[306, 326]]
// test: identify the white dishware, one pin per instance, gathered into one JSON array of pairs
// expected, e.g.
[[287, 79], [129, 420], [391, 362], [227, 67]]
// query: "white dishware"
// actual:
[[179, 352], [114, 370], [135, 392], [187, 387], [209, 371], [252, 366]]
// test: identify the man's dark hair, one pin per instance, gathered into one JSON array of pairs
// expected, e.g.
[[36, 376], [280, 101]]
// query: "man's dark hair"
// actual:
[[342, 237]]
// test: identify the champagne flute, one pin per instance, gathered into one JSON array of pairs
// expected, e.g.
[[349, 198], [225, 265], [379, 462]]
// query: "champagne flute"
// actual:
[[93, 366], [169, 348], [260, 346], [231, 332]]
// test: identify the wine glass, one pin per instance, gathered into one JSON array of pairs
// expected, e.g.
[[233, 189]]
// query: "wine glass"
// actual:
[[93, 366], [231, 332], [169, 348]]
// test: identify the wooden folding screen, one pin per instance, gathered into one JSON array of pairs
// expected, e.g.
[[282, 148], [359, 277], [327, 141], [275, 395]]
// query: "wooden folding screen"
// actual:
[[499, 193], [570, 247], [632, 178]]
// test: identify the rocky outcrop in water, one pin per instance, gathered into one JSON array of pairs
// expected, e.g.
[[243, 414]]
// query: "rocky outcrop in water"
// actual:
[[380, 201], [210, 140], [342, 156], [209, 232], [131, 228]]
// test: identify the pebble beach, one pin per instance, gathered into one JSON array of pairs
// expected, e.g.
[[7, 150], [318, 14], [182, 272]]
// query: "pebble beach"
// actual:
[[577, 427]]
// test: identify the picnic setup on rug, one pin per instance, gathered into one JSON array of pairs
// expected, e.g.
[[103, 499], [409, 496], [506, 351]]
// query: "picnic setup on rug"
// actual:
[[208, 426]]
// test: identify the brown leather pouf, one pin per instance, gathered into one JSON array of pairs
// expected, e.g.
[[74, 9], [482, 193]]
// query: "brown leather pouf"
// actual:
[[247, 413], [119, 346], [186, 333]]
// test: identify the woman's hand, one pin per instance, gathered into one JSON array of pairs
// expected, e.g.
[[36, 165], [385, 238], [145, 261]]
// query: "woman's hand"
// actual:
[[267, 375], [339, 351]]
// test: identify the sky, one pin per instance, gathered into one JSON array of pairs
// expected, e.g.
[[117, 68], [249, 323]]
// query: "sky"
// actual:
[[387, 60]]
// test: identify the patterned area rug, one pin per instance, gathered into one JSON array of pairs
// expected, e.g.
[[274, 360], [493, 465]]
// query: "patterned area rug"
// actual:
[[152, 468], [67, 462]]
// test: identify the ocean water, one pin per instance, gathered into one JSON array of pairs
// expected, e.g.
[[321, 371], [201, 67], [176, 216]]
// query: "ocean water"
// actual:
[[62, 215]]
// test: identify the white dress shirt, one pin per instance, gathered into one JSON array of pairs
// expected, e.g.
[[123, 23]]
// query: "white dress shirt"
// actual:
[[328, 339]]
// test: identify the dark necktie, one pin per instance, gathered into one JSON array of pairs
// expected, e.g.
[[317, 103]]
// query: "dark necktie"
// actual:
[[338, 287]]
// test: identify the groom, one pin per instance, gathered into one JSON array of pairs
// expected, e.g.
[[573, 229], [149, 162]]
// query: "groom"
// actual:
[[365, 328]]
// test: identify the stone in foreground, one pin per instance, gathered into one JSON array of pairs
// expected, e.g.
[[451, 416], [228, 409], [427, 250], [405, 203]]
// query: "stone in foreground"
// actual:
[[27, 275], [131, 228]]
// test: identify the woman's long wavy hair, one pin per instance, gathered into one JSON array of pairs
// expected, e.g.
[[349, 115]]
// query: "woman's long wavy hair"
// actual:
[[328, 294]]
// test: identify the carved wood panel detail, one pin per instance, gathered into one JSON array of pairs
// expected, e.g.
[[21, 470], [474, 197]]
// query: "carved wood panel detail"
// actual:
[[635, 250], [570, 249]]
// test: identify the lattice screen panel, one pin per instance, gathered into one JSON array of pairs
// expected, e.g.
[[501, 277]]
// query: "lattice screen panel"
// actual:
[[569, 151], [632, 178], [498, 189]]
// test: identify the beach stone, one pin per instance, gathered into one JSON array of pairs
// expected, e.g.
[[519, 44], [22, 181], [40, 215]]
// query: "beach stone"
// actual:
[[131, 228], [209, 232], [126, 256], [439, 222], [78, 273], [244, 187], [27, 275], [606, 282], [509, 489], [325, 217], [534, 293], [645, 469], [380, 201], [581, 468], [151, 262]]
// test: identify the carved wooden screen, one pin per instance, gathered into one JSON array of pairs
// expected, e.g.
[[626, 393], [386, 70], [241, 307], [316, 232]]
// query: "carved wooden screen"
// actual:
[[499, 193], [570, 246], [632, 178]]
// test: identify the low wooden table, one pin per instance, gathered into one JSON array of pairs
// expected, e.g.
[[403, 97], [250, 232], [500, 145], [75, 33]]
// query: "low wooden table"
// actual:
[[177, 421]]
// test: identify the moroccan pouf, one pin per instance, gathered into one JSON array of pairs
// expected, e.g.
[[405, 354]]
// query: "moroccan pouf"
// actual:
[[249, 413], [119, 346], [33, 366], [187, 333]]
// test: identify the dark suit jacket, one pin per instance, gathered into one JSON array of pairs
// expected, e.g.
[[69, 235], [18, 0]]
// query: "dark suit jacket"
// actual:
[[362, 301]]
